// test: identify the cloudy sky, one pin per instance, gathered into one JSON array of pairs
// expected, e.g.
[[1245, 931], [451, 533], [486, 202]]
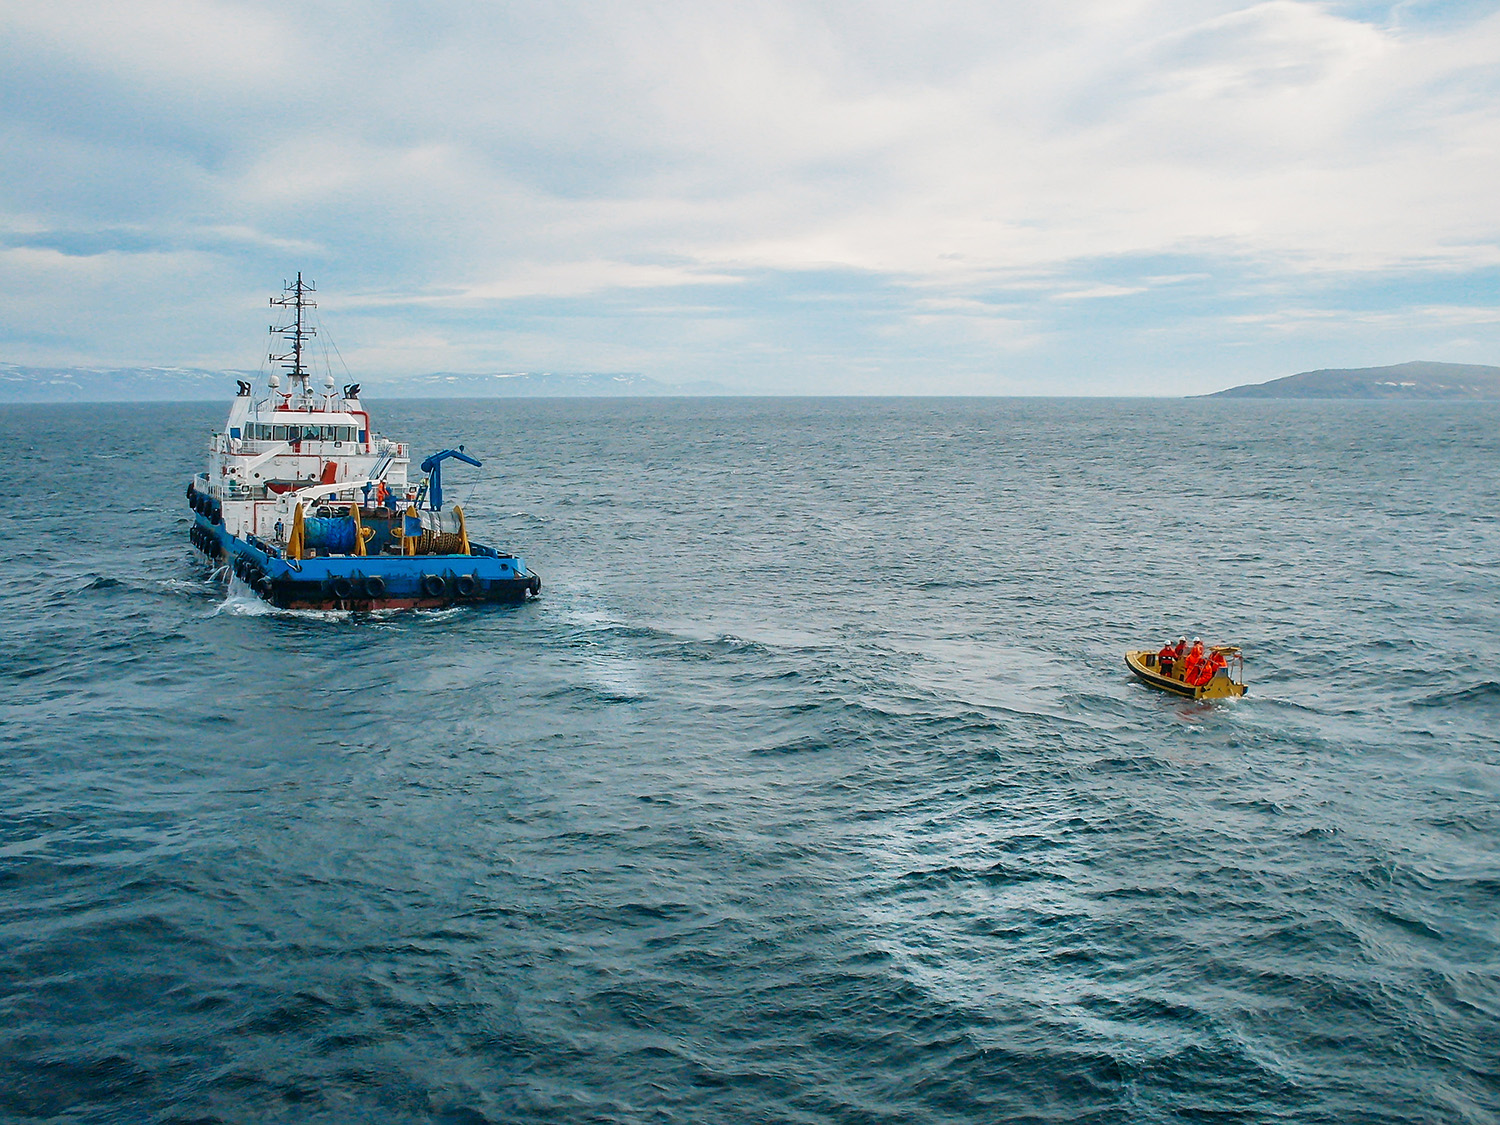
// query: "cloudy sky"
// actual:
[[1096, 197]]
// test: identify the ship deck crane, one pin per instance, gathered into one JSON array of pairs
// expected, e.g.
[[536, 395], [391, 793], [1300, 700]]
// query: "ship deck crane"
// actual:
[[433, 467]]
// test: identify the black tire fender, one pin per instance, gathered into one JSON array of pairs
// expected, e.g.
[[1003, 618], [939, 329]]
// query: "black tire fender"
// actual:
[[374, 586], [465, 585], [433, 585]]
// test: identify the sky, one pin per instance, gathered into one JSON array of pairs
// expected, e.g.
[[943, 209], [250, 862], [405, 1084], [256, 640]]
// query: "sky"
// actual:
[[1104, 197]]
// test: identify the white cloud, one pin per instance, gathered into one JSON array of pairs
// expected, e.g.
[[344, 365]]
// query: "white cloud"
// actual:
[[1095, 291], [204, 44], [464, 155]]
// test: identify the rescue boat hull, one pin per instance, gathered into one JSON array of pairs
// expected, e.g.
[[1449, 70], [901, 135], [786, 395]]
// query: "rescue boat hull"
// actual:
[[1143, 664]]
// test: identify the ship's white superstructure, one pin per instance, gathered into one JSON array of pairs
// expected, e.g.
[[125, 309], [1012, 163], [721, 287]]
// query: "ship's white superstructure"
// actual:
[[274, 449]]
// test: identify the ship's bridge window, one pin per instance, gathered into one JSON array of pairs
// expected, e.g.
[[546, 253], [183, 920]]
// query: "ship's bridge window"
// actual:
[[278, 433]]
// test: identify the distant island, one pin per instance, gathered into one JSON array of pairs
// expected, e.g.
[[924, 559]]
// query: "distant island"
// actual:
[[188, 384], [1419, 380]]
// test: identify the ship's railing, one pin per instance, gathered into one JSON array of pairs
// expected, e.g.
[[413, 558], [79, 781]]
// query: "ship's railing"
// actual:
[[250, 447]]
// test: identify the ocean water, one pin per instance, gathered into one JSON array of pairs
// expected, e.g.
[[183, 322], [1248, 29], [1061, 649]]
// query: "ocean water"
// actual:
[[813, 789]]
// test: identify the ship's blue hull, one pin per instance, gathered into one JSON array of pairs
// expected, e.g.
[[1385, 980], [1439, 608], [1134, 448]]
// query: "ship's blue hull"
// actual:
[[373, 582]]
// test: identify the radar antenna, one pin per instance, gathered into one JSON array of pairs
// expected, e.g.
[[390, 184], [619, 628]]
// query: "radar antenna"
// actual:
[[298, 332]]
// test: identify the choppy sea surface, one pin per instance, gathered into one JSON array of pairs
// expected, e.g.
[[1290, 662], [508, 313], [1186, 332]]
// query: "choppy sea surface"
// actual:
[[813, 789]]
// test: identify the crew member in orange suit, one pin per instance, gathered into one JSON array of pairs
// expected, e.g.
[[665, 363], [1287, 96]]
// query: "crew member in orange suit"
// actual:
[[1212, 665], [1193, 661]]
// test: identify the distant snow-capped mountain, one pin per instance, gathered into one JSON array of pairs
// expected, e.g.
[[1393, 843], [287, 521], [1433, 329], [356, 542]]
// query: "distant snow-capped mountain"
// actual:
[[185, 384]]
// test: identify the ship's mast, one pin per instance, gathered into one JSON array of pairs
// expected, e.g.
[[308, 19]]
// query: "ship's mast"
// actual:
[[297, 334]]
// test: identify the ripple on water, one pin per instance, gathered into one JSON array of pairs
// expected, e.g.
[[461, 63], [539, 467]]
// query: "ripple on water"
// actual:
[[812, 789]]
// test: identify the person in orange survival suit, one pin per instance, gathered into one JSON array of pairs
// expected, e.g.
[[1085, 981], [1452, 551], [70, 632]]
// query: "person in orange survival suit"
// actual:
[[1193, 660], [1211, 666], [1166, 658], [1206, 670]]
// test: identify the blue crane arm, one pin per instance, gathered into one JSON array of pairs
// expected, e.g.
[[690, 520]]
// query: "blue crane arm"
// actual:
[[432, 466]]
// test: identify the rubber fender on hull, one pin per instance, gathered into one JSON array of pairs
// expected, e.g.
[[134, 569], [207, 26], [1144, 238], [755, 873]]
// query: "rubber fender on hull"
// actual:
[[263, 586], [535, 585], [342, 588], [374, 586], [465, 585], [433, 585]]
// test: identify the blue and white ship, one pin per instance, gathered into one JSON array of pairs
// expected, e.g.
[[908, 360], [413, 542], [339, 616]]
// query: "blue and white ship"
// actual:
[[312, 509]]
